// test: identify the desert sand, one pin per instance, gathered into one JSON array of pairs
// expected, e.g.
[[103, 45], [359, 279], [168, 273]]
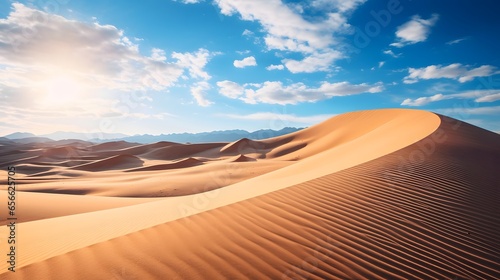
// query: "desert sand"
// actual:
[[381, 194]]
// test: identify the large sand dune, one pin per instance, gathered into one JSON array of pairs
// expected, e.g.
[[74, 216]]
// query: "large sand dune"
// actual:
[[383, 194]]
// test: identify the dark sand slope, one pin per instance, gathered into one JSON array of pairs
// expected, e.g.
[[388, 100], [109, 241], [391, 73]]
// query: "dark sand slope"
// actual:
[[428, 211]]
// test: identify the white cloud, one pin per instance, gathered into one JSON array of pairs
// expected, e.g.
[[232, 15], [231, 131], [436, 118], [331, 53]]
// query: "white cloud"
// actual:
[[230, 89], [456, 71], [38, 44], [489, 98], [414, 31], [275, 67], [42, 54], [482, 71], [247, 32], [158, 54], [340, 5], [287, 30], [195, 62], [243, 52], [391, 53], [274, 92], [35, 46], [453, 42], [346, 88], [199, 91], [313, 63], [380, 64], [478, 96], [247, 61], [422, 100], [278, 20], [268, 116]]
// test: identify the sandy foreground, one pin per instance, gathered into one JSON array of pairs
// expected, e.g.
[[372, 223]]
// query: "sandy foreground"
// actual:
[[382, 194]]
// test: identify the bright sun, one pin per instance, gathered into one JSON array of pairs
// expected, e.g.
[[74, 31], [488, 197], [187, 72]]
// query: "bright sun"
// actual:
[[61, 91]]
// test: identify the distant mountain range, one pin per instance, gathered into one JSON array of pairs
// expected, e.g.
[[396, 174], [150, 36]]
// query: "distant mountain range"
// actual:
[[203, 137], [62, 135], [19, 135]]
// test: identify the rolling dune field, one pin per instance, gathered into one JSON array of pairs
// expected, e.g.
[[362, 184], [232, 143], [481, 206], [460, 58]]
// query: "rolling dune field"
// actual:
[[381, 194]]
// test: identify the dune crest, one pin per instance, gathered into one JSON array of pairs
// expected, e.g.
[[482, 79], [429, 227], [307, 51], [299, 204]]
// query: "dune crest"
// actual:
[[111, 163], [242, 158], [183, 163]]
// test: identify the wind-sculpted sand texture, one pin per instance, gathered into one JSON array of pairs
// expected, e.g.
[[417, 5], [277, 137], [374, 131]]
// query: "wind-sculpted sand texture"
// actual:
[[383, 194]]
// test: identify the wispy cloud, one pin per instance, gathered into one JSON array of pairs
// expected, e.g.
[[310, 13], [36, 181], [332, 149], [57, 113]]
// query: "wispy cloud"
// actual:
[[338, 5], [198, 90], [477, 95], [391, 53], [313, 63], [456, 71], [195, 62], [274, 92], [247, 32], [243, 52], [414, 31], [453, 42], [489, 98], [423, 100], [190, 1]]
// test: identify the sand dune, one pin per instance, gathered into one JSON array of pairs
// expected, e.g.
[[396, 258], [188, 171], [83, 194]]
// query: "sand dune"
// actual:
[[383, 194], [242, 158], [111, 163], [142, 149], [61, 152], [113, 146], [173, 152], [184, 163], [244, 146], [10, 156]]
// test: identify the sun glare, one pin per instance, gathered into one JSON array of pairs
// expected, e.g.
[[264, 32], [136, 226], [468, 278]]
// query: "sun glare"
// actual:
[[61, 90]]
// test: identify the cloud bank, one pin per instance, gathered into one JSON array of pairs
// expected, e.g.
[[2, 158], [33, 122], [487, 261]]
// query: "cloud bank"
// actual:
[[274, 92], [287, 30]]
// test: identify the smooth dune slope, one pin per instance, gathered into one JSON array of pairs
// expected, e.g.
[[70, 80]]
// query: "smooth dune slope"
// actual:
[[39, 206], [424, 207]]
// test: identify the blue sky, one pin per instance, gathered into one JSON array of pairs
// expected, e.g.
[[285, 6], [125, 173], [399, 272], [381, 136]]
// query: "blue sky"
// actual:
[[192, 65]]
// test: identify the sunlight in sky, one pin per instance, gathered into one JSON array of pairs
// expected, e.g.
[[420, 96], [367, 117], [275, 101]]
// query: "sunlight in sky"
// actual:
[[60, 91]]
